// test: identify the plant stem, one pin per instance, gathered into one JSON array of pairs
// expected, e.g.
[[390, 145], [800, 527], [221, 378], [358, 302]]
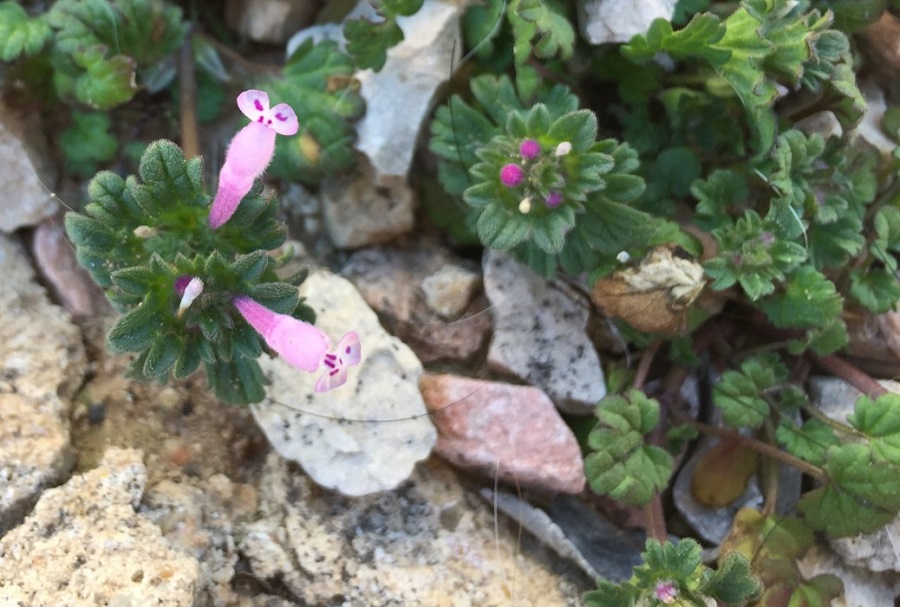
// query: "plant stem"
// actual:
[[647, 356], [852, 375], [755, 445], [190, 138], [654, 520]]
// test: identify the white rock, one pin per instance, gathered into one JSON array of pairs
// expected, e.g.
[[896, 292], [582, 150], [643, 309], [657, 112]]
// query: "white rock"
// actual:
[[876, 551], [539, 334], [84, 544], [604, 21], [861, 588], [41, 363], [398, 100], [26, 200], [869, 129], [367, 435]]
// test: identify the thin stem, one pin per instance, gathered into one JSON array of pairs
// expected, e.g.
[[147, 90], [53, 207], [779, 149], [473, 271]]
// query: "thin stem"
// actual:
[[647, 356], [852, 375], [190, 138], [755, 445], [654, 520]]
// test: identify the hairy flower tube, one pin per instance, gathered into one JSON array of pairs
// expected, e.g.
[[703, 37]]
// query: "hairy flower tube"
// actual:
[[250, 152], [301, 344]]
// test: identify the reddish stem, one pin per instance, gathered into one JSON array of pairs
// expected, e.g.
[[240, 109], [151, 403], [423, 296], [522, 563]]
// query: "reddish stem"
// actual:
[[854, 376]]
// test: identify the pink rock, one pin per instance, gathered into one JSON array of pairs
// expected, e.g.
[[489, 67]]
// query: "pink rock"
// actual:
[[514, 432], [72, 286]]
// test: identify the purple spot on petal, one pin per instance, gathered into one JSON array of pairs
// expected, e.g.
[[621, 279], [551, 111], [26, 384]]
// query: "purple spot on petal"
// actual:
[[334, 372], [258, 105], [280, 117]]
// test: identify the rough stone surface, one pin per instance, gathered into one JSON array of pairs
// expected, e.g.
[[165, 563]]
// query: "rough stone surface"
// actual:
[[367, 435], [269, 21], [356, 213], [875, 343], [392, 281], [359, 210], [429, 542], [23, 174], [41, 364], [540, 335], [513, 432], [450, 290], [605, 21], [55, 259], [84, 544], [875, 551], [861, 588], [413, 71]]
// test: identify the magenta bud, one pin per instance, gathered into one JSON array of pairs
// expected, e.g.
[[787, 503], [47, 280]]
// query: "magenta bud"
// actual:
[[554, 199], [529, 148], [511, 175]]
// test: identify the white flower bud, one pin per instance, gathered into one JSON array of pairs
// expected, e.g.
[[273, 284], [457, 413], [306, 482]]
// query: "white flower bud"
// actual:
[[563, 148], [525, 205]]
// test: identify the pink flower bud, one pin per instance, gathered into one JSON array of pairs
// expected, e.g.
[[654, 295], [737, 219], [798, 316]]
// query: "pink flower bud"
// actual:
[[529, 148], [554, 199], [511, 175]]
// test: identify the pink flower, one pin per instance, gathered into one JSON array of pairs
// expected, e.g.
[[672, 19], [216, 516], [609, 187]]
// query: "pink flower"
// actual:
[[666, 592], [554, 199], [189, 292], [301, 344], [529, 148], [250, 152], [511, 175]]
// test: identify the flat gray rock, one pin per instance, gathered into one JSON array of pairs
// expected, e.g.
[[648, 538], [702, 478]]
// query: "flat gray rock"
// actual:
[[84, 544], [41, 363], [540, 336], [366, 435], [616, 21]]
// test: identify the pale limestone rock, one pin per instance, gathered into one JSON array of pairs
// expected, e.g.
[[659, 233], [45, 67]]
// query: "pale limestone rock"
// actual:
[[365, 436], [84, 544], [539, 334], [23, 173], [41, 363], [861, 588], [425, 543], [376, 203], [512, 433], [614, 21]]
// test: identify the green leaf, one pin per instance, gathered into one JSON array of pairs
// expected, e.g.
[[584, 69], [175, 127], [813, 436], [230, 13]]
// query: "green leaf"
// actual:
[[88, 143], [808, 441], [876, 290], [161, 356], [879, 419], [808, 300], [368, 42], [278, 296], [621, 465], [742, 396], [318, 83], [697, 38], [18, 34], [732, 582], [106, 82], [136, 330], [863, 493]]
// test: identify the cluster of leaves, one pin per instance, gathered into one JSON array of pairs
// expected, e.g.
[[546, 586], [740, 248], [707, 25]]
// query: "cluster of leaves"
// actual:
[[594, 178], [673, 573], [368, 41], [95, 52], [801, 226], [138, 237]]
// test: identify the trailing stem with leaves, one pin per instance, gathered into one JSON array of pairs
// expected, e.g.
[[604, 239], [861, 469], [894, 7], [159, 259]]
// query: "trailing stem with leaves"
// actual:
[[707, 205]]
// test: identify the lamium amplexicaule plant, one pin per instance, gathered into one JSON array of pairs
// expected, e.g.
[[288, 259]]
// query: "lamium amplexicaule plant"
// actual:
[[195, 279], [682, 175]]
